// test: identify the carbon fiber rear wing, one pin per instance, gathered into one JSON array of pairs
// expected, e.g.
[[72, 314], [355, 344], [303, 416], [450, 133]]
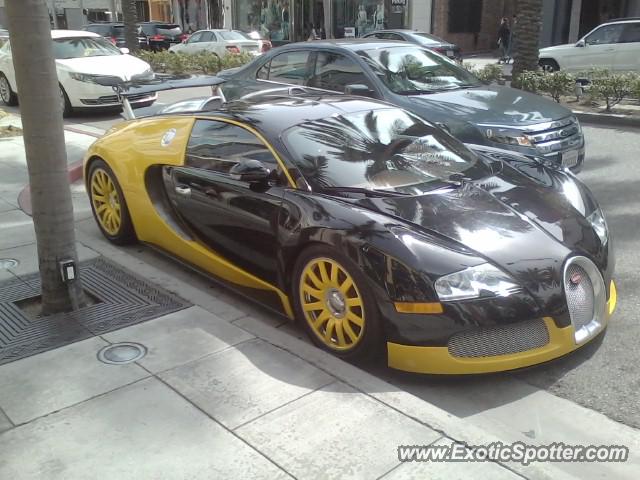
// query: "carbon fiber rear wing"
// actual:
[[158, 83]]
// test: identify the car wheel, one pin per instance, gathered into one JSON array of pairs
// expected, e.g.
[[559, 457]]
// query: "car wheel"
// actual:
[[8, 96], [333, 298], [549, 65], [65, 104], [108, 204]]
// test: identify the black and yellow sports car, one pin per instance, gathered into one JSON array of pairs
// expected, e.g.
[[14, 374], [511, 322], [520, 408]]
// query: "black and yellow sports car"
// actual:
[[375, 229]]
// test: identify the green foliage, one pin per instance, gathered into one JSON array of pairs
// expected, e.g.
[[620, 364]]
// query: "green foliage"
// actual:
[[531, 81], [611, 87], [557, 84], [488, 74], [202, 62]]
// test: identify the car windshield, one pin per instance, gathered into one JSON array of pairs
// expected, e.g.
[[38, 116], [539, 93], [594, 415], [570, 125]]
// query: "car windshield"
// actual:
[[383, 149], [412, 70], [226, 35], [81, 47], [428, 39]]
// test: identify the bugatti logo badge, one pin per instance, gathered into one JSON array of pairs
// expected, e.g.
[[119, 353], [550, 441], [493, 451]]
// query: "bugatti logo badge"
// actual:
[[168, 137], [575, 279]]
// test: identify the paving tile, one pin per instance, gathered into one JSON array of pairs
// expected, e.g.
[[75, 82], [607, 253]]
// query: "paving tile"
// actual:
[[143, 431], [5, 423], [47, 382], [6, 206], [242, 383], [180, 337], [450, 470], [17, 229], [335, 432]]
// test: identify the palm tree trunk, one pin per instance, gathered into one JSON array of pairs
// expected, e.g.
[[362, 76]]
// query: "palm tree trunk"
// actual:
[[526, 37], [130, 20], [43, 128]]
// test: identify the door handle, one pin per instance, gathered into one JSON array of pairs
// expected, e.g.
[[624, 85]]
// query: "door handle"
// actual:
[[182, 190]]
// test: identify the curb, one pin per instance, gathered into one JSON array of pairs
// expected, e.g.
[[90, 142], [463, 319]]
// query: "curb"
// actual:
[[74, 174], [607, 119]]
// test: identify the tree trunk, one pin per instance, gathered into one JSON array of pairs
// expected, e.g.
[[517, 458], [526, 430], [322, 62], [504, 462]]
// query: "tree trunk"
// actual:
[[41, 111], [130, 20], [526, 37]]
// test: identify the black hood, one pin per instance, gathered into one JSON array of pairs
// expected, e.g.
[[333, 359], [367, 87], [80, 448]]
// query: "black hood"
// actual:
[[493, 105]]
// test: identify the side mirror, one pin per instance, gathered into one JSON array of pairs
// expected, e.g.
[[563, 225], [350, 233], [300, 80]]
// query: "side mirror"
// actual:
[[581, 43], [124, 50], [358, 89], [252, 171]]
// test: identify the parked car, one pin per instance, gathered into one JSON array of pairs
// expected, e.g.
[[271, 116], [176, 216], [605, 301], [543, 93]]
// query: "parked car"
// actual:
[[423, 39], [114, 32], [81, 59], [614, 45], [426, 84], [163, 35], [264, 44], [218, 42], [376, 230]]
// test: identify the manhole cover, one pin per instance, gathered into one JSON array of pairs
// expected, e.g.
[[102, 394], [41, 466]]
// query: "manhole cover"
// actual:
[[7, 263], [121, 353]]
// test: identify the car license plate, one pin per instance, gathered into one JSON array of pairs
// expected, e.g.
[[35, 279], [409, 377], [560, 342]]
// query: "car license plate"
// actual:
[[570, 158], [449, 53]]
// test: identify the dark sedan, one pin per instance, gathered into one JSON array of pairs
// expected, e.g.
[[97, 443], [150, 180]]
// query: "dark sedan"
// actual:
[[114, 32], [162, 35], [423, 39], [426, 84]]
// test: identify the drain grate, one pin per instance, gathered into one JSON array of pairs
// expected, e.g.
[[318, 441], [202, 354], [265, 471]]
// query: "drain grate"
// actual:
[[124, 299]]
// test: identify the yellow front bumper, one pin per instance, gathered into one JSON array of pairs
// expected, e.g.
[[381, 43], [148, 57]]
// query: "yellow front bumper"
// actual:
[[437, 360]]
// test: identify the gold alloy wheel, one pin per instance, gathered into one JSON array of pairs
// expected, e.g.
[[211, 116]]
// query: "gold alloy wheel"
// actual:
[[332, 304], [106, 201]]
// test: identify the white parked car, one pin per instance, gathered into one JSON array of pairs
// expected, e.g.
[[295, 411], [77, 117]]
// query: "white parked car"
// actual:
[[614, 45], [218, 42], [81, 58]]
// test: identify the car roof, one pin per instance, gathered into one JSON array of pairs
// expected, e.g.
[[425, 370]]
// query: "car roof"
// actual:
[[72, 34], [350, 44]]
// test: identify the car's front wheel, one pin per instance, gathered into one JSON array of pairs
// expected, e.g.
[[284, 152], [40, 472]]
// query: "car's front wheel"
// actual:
[[8, 96], [333, 298], [549, 65]]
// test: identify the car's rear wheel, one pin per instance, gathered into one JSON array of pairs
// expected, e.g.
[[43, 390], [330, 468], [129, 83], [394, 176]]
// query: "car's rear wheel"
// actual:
[[8, 96], [65, 104], [108, 204], [333, 298], [549, 65]]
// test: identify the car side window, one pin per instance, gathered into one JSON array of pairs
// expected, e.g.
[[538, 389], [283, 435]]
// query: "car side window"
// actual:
[[263, 72], [290, 67], [195, 38], [334, 71], [218, 146], [605, 35], [391, 36], [630, 33], [207, 37]]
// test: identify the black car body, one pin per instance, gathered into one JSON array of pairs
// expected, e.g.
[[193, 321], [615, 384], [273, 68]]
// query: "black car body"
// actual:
[[445, 94], [162, 35], [345, 212], [424, 39], [115, 33]]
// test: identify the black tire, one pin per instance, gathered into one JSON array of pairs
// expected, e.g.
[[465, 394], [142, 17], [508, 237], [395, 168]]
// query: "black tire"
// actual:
[[549, 65], [370, 341], [125, 233], [67, 109], [9, 97]]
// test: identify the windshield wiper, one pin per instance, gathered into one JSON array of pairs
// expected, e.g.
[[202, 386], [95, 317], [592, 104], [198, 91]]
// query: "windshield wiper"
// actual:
[[369, 192], [415, 92]]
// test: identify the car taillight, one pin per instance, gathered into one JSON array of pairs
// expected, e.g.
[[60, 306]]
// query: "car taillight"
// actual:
[[266, 46], [113, 40], [184, 37], [156, 37], [439, 50], [233, 49]]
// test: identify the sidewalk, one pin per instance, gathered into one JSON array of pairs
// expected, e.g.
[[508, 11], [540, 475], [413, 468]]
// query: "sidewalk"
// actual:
[[226, 389], [482, 60]]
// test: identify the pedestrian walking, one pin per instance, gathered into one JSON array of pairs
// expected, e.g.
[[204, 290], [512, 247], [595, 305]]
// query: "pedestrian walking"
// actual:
[[504, 35], [512, 38]]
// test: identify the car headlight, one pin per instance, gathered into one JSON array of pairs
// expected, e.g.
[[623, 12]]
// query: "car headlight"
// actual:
[[85, 77], [481, 281], [599, 224], [508, 138]]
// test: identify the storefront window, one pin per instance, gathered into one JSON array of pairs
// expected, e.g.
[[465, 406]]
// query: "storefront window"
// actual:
[[356, 18], [268, 17]]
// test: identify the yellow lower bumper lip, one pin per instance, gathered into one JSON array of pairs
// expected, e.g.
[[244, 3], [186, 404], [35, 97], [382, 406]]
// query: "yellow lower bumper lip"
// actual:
[[438, 360]]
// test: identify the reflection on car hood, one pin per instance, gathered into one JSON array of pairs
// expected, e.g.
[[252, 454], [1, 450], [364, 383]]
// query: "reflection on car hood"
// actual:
[[124, 66], [493, 104], [556, 48]]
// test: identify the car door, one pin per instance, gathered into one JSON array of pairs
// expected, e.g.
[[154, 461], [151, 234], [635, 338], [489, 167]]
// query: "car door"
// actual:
[[598, 50], [6, 65], [207, 42], [334, 71], [627, 54], [236, 219], [193, 43]]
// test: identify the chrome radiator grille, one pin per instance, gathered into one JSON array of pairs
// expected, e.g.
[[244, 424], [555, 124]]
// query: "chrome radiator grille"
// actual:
[[499, 340], [580, 298], [554, 137]]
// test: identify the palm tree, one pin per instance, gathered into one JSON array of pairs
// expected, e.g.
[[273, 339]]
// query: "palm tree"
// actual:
[[526, 37], [41, 111], [130, 19]]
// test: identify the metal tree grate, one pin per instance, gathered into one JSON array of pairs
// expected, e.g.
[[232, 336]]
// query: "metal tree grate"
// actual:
[[123, 299]]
